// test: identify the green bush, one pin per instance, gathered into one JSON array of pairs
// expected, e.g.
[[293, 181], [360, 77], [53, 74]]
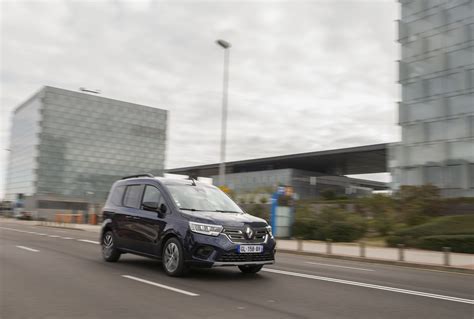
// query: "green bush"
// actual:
[[304, 229], [258, 210], [394, 241], [344, 231], [331, 223], [329, 194], [457, 243], [456, 232], [446, 225], [418, 203], [382, 208]]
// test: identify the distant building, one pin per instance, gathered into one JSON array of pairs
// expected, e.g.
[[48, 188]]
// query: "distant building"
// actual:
[[309, 174], [67, 148], [436, 113]]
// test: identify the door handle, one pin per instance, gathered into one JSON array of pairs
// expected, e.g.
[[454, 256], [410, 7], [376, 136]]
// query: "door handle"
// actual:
[[132, 217]]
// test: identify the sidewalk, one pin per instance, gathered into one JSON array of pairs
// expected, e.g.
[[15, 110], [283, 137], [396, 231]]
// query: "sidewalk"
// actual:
[[418, 256]]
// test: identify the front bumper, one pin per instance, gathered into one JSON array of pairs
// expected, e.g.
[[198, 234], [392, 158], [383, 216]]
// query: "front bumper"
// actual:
[[221, 264], [224, 252]]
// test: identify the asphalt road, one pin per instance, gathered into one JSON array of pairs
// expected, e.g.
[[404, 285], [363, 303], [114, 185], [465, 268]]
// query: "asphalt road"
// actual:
[[58, 273]]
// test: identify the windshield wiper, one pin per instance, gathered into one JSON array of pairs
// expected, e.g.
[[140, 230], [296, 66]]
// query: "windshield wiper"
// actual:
[[209, 210], [193, 209], [226, 211]]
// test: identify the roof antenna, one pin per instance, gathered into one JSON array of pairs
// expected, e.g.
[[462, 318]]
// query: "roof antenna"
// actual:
[[192, 180]]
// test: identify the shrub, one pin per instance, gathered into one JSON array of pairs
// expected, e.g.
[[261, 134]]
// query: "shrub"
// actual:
[[304, 229], [418, 203], [331, 223], [438, 233], [382, 208], [457, 243], [394, 241], [258, 210], [344, 231], [446, 225], [329, 194]]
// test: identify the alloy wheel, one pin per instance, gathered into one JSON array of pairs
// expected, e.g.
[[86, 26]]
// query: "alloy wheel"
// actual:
[[108, 244], [171, 257]]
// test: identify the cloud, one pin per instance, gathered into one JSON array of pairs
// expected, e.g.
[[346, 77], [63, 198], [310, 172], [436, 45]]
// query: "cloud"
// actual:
[[304, 76]]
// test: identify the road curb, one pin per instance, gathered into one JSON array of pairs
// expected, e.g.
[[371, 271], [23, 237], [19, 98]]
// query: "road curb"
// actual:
[[87, 228], [61, 227], [382, 261]]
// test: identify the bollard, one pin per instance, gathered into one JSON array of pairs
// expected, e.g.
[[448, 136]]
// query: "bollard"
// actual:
[[300, 244], [328, 246], [401, 252], [447, 255], [362, 249], [93, 219]]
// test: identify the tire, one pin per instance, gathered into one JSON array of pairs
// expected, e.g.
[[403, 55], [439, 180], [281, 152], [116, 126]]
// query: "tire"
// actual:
[[173, 258], [109, 252], [250, 269]]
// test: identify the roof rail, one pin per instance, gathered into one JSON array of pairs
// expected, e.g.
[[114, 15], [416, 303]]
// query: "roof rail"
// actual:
[[139, 175]]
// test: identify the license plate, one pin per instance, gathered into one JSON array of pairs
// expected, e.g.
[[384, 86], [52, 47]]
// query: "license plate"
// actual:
[[246, 249]]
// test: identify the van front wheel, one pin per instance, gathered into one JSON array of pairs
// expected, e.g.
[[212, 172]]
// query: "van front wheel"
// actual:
[[173, 258]]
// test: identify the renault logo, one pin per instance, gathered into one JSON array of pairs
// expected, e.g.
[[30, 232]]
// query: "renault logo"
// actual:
[[249, 232]]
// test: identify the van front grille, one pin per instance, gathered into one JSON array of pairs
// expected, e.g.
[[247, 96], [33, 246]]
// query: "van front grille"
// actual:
[[237, 235]]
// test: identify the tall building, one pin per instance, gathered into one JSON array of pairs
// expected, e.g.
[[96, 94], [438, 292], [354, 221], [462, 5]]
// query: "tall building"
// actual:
[[67, 148], [436, 113]]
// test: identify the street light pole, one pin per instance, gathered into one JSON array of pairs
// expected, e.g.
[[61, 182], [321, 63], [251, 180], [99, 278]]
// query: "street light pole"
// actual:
[[226, 46]]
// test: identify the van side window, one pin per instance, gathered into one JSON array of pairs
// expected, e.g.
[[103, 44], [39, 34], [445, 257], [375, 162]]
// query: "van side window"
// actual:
[[152, 195], [133, 195]]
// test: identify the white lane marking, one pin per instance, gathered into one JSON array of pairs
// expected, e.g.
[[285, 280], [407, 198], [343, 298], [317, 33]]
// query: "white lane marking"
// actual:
[[52, 236], [184, 292], [14, 229], [28, 248], [331, 265], [361, 284], [89, 241]]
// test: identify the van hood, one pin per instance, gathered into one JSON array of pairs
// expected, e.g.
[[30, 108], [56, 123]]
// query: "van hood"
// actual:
[[224, 219]]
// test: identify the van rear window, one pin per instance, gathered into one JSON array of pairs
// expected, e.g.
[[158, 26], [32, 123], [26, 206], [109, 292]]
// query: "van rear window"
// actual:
[[117, 195]]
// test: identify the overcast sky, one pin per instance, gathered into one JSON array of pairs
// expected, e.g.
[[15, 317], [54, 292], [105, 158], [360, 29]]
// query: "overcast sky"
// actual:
[[304, 75]]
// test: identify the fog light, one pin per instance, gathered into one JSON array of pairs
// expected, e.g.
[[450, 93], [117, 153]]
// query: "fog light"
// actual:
[[204, 252]]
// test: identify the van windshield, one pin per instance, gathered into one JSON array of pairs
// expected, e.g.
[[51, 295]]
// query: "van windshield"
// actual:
[[202, 198]]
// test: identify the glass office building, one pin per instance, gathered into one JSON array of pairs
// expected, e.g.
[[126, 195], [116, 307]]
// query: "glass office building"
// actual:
[[69, 147], [436, 113], [305, 184]]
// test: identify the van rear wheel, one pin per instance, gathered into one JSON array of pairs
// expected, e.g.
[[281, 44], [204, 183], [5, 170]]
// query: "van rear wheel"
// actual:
[[110, 252]]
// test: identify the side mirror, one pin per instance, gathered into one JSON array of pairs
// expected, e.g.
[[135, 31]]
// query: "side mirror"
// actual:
[[152, 206], [163, 209]]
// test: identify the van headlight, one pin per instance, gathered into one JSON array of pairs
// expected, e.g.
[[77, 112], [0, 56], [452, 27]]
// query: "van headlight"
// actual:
[[269, 230], [205, 229]]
